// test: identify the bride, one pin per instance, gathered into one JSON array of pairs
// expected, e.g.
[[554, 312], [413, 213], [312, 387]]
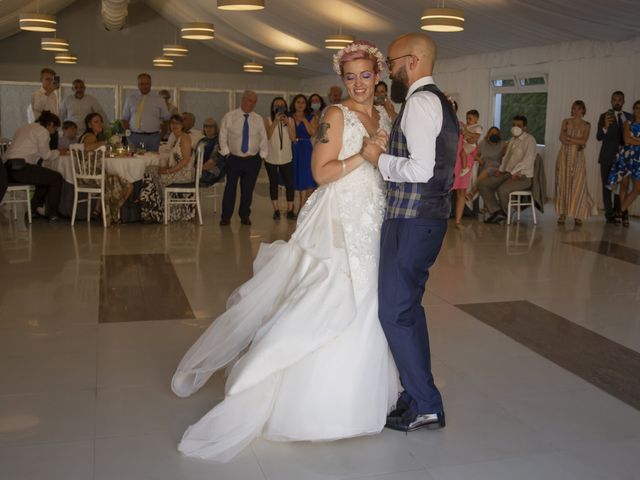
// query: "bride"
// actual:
[[307, 357]]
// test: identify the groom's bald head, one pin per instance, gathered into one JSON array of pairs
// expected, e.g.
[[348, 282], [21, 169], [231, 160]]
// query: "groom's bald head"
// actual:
[[420, 45]]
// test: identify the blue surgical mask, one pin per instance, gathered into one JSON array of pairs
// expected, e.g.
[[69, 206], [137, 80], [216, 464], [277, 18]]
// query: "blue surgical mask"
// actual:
[[494, 138], [315, 107]]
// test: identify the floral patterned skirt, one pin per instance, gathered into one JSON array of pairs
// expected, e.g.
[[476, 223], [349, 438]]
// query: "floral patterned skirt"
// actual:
[[152, 200]]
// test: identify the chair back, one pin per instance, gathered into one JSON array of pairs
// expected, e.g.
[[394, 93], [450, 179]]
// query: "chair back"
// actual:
[[199, 163], [87, 165], [4, 146]]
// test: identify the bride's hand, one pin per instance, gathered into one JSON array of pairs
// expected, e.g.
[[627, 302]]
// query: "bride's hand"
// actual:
[[381, 138]]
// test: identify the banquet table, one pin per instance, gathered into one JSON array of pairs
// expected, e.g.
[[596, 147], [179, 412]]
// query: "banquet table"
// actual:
[[131, 168]]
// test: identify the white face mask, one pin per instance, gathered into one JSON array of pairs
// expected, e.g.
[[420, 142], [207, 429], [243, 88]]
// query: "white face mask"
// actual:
[[516, 131]]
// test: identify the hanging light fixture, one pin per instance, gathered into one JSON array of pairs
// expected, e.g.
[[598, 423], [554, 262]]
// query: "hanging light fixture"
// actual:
[[339, 41], [241, 4], [286, 59], [198, 31], [54, 44], [174, 50], [37, 22], [66, 58], [442, 19], [252, 67], [163, 62]]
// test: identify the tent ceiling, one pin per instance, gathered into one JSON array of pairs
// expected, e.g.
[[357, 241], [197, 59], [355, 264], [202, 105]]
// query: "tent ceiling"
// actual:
[[301, 25]]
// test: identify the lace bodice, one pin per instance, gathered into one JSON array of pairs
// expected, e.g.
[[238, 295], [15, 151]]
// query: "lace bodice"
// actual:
[[361, 201]]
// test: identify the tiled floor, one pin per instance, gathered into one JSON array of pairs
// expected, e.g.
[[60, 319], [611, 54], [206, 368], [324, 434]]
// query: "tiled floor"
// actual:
[[84, 399]]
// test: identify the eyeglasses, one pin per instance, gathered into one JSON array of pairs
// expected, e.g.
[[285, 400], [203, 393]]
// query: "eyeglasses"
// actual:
[[391, 60]]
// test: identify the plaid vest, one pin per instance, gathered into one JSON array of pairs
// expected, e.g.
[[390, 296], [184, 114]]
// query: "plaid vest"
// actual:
[[431, 199]]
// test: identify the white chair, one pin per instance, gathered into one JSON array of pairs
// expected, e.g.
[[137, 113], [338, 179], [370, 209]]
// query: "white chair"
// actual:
[[4, 145], [192, 188], [88, 177], [519, 199], [18, 193]]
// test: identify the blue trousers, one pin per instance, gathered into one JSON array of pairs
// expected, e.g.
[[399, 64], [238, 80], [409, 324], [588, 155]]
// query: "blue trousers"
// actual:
[[408, 248]]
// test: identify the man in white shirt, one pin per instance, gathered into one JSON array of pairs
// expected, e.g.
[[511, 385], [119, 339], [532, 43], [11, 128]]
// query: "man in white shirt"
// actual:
[[23, 161], [143, 113], [76, 107], [335, 94], [46, 99], [243, 140], [515, 173]]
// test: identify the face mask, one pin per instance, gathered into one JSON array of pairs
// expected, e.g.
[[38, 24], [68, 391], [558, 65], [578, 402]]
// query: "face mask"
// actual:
[[516, 131], [494, 138], [315, 107], [378, 100]]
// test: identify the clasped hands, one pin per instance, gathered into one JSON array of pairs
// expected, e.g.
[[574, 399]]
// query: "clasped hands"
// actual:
[[372, 147]]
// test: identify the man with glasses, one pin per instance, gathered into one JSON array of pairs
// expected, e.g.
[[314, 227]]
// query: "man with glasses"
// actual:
[[418, 168]]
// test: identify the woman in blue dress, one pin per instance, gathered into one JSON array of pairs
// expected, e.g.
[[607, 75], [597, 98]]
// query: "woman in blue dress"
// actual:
[[627, 166], [306, 124]]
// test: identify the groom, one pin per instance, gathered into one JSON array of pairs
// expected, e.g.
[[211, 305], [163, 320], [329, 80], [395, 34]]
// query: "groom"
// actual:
[[418, 169]]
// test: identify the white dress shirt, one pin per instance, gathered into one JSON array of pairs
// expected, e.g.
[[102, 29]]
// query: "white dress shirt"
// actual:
[[231, 135], [31, 142], [76, 109], [41, 101], [520, 156], [154, 112], [421, 123]]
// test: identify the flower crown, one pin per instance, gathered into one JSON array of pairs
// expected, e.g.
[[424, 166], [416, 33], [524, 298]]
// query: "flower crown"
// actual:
[[359, 45]]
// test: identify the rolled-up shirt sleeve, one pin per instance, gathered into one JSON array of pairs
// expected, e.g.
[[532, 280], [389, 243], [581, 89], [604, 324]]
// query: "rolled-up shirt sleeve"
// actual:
[[421, 123], [42, 142]]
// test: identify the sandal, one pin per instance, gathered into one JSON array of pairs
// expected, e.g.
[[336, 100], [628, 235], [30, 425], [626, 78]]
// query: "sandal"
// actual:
[[561, 220], [96, 215], [625, 218], [577, 221]]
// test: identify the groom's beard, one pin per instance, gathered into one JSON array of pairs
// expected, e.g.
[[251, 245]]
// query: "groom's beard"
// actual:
[[399, 87]]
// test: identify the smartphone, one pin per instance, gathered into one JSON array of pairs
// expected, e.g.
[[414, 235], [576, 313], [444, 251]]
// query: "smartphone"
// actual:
[[56, 80], [281, 109]]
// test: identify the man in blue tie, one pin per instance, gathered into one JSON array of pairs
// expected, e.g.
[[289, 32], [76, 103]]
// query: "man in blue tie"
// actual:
[[243, 141]]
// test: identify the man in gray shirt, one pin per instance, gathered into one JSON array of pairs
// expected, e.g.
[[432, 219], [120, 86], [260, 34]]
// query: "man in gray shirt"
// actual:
[[77, 106]]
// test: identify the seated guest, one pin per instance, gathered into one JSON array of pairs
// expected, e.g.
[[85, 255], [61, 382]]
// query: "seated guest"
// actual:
[[179, 170], [489, 157], [213, 166], [515, 171], [69, 134], [24, 157], [189, 120], [116, 189]]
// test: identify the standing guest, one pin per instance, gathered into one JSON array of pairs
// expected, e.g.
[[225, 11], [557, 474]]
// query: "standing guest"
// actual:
[[69, 134], [280, 130], [335, 94], [46, 98], [243, 140], [144, 113], [76, 107], [305, 125], [627, 165], [317, 105], [178, 170], [515, 172], [572, 196], [381, 98], [213, 166], [467, 152], [116, 189], [610, 133], [489, 157], [173, 110], [24, 157]]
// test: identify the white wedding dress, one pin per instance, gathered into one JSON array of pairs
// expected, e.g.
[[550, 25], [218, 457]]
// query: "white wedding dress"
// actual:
[[307, 355]]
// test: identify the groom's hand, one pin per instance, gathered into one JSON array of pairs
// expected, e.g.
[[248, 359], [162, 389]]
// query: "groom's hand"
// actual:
[[371, 150]]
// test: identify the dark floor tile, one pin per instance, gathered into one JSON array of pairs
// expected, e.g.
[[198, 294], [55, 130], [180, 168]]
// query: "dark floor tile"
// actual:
[[610, 249], [598, 360]]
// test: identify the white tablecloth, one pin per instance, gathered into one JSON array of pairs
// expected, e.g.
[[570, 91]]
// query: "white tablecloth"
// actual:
[[129, 168]]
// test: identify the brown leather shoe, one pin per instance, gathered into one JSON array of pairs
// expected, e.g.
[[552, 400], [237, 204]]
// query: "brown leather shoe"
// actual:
[[225, 221], [245, 221]]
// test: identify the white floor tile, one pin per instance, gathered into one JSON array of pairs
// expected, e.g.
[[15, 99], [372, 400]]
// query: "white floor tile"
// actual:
[[50, 461]]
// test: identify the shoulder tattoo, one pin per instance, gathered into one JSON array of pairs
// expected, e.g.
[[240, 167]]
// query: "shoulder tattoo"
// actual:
[[321, 133]]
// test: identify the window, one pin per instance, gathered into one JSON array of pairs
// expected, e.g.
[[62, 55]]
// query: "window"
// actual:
[[521, 95]]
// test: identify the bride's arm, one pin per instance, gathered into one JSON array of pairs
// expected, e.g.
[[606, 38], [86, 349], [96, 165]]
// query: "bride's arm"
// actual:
[[325, 166]]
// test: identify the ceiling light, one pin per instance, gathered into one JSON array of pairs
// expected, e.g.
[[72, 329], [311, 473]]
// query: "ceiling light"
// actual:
[[252, 67], [37, 22], [198, 31], [240, 4], [174, 50], [443, 20], [66, 58], [337, 42], [163, 62], [286, 59], [54, 44]]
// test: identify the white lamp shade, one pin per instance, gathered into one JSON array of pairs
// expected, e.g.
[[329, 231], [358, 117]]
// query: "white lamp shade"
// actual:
[[163, 62], [286, 59], [338, 42], [240, 5], [174, 50], [252, 67], [442, 20], [198, 31], [54, 44], [66, 58], [37, 22]]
